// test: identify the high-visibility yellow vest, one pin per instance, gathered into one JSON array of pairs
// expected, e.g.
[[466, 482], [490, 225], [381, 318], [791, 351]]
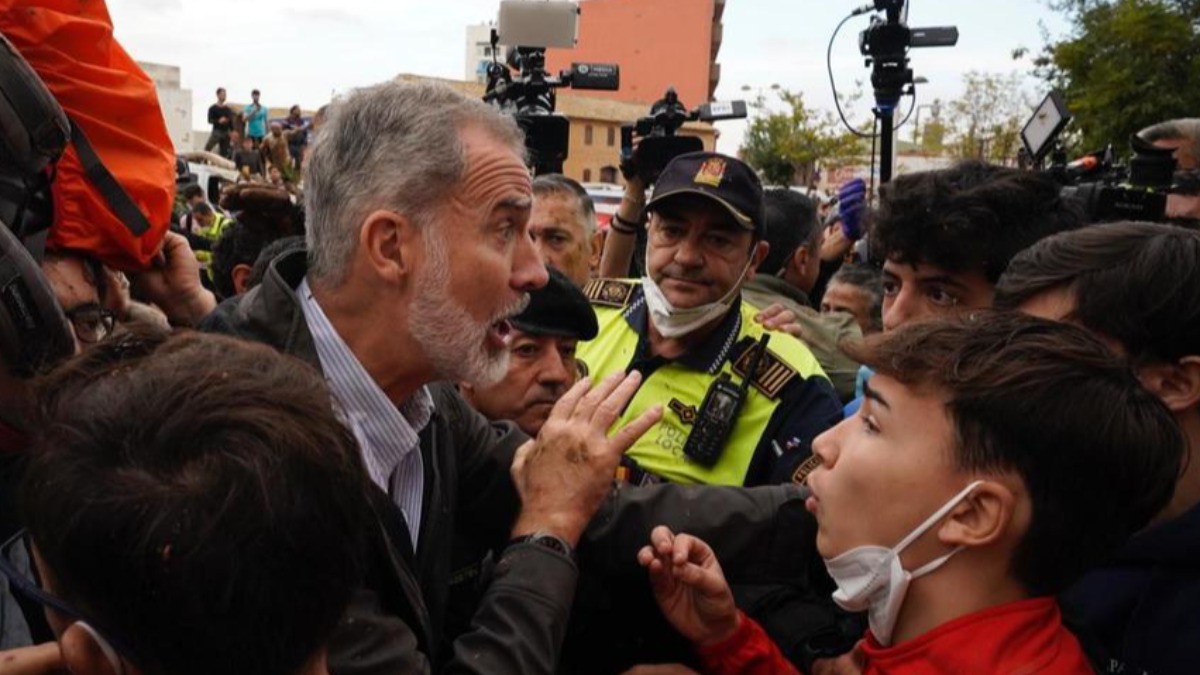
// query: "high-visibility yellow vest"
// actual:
[[680, 389]]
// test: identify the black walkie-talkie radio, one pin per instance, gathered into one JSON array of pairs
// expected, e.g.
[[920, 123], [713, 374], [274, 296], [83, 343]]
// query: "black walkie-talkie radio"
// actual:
[[719, 411]]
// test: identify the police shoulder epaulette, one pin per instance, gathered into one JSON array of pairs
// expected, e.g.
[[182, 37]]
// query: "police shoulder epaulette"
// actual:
[[609, 292], [773, 372]]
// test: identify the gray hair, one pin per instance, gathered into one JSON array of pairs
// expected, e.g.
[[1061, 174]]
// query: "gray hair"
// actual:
[[558, 184], [391, 146], [1184, 129], [869, 279]]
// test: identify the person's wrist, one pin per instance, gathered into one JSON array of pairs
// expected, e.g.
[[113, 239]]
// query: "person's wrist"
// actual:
[[546, 540], [623, 225], [569, 528], [194, 308], [722, 630]]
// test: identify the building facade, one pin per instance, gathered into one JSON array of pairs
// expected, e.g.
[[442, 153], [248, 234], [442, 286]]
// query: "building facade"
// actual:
[[176, 104], [657, 44], [479, 52]]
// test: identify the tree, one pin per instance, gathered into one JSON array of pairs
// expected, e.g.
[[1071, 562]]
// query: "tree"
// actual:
[[985, 122], [787, 146], [1126, 64]]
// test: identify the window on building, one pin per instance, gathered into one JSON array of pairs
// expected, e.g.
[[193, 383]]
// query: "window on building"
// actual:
[[612, 137], [608, 174], [587, 173], [587, 135], [487, 51]]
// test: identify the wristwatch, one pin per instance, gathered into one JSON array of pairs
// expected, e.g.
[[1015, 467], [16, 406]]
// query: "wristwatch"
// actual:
[[545, 540]]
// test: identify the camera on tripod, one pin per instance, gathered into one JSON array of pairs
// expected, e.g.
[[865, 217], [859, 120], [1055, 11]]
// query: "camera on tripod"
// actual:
[[657, 133], [885, 43], [530, 28], [1106, 189]]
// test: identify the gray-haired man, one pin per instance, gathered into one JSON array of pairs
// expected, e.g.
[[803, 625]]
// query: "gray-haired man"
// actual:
[[418, 255]]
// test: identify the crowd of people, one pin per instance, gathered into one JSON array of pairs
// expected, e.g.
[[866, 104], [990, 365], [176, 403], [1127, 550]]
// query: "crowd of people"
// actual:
[[262, 149], [436, 421]]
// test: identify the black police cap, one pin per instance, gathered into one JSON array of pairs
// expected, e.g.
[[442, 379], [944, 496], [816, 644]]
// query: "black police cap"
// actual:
[[560, 309], [728, 181]]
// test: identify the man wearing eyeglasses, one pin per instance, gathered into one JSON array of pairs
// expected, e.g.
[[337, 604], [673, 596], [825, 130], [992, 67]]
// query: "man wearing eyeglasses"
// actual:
[[80, 285]]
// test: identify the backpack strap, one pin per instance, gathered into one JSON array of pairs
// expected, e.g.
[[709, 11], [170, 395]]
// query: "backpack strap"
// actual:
[[99, 176]]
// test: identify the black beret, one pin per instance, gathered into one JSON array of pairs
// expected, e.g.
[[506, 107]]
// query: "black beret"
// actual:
[[560, 309]]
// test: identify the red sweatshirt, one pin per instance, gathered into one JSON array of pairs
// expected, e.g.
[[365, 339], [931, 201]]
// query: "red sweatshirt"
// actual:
[[1023, 637]]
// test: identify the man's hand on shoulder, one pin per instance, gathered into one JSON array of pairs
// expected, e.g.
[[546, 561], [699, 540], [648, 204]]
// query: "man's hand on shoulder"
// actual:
[[566, 472]]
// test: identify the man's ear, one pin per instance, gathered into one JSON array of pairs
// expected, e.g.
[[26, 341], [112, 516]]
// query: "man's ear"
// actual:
[[83, 654], [800, 260], [757, 256], [240, 275], [980, 519], [1177, 384], [387, 243]]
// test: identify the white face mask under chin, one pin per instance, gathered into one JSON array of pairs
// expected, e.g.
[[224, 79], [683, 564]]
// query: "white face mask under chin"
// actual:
[[872, 578], [673, 322]]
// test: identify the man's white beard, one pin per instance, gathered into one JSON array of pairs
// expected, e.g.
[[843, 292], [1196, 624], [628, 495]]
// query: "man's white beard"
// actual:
[[456, 345]]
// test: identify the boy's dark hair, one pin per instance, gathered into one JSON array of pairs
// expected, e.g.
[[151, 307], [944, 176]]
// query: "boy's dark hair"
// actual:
[[202, 208], [973, 216], [868, 278], [791, 223], [1097, 451], [198, 496], [239, 244], [192, 190], [270, 252], [1134, 282]]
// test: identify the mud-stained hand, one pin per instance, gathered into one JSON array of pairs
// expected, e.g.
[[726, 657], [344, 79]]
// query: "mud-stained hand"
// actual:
[[565, 473], [173, 283], [690, 587]]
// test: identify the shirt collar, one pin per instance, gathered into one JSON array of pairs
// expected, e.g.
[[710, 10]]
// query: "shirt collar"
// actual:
[[707, 356], [390, 431]]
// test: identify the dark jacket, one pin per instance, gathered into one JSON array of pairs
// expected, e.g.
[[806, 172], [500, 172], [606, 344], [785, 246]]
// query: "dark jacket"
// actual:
[[1141, 612], [821, 332], [396, 623]]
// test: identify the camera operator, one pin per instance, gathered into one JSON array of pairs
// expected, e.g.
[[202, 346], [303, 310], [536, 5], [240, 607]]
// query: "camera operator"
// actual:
[[1182, 136]]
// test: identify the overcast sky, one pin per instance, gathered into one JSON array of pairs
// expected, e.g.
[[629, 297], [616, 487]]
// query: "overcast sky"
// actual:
[[303, 51]]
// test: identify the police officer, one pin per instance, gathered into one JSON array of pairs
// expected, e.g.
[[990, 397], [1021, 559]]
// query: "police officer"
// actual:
[[542, 364], [741, 406]]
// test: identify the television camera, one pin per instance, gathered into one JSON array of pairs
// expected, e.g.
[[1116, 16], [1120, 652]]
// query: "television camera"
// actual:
[[657, 136], [530, 28], [1107, 189]]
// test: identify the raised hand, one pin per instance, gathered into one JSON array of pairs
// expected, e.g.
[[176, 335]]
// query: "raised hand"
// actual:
[[690, 587], [565, 473]]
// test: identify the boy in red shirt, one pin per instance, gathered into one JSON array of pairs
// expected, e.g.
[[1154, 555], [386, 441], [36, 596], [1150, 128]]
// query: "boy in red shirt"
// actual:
[[993, 462]]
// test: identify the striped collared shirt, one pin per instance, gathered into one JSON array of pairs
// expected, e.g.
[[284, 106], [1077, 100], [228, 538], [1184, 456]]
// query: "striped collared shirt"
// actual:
[[386, 433]]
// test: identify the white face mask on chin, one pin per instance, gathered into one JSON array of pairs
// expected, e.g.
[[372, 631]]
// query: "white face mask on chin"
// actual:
[[673, 322], [872, 578]]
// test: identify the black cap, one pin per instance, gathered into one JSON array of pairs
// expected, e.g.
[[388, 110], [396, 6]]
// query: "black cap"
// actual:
[[560, 309], [726, 180]]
